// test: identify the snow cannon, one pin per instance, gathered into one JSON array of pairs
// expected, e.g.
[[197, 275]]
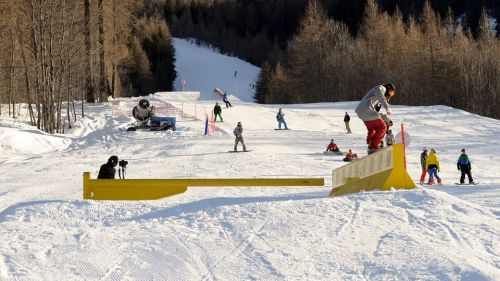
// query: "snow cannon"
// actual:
[[151, 189], [382, 170], [145, 118]]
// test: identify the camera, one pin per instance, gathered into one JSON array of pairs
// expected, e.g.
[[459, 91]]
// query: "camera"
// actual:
[[123, 163]]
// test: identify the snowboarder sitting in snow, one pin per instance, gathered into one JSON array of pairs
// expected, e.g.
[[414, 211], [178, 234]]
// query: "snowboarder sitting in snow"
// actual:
[[238, 133], [463, 165], [374, 123], [108, 171], [226, 100], [389, 138], [332, 148], [432, 165], [350, 156], [280, 117], [217, 112]]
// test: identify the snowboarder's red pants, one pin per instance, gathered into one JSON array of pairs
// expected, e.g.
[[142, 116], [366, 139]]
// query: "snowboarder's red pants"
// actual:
[[376, 132], [422, 176]]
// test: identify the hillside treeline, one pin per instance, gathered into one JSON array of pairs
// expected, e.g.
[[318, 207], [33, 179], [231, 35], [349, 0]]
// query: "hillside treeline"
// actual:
[[257, 30], [54, 52], [432, 60]]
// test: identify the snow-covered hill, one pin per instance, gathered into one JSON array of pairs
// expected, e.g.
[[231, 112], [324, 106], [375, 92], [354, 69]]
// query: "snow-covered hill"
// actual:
[[48, 232]]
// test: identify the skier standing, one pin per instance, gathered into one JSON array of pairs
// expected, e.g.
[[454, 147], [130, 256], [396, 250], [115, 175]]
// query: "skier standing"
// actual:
[[226, 100], [280, 116], [217, 112], [238, 133], [463, 165], [423, 160], [347, 118], [374, 123], [432, 165]]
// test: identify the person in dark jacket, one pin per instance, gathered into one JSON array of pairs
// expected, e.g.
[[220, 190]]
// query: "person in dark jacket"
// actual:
[[347, 118], [463, 165], [108, 170], [226, 100], [423, 160], [217, 112]]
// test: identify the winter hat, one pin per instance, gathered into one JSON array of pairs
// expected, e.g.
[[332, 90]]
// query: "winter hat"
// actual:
[[239, 123], [425, 149], [463, 150], [113, 159], [433, 150]]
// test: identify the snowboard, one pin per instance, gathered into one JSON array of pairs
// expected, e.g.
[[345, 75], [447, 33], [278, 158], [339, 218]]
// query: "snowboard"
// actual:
[[474, 183], [239, 151], [282, 129], [335, 153]]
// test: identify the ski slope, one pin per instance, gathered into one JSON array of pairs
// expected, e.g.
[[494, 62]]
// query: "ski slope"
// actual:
[[48, 232]]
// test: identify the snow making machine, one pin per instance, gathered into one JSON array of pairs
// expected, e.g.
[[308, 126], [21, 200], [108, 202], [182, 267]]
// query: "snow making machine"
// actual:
[[145, 118]]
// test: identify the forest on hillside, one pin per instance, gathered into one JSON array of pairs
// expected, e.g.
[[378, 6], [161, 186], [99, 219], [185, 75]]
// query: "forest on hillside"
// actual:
[[436, 52], [54, 52]]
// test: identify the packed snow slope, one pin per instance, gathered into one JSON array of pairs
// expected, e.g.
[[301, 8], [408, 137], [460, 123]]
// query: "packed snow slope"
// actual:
[[48, 232]]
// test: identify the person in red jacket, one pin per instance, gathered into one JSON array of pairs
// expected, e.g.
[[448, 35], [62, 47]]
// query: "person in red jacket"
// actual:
[[332, 147], [350, 156]]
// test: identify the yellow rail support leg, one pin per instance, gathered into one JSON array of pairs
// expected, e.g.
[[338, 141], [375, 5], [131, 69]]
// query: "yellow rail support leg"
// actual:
[[381, 170], [150, 189]]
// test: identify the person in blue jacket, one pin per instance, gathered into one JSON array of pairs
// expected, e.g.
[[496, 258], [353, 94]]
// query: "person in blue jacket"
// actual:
[[463, 165]]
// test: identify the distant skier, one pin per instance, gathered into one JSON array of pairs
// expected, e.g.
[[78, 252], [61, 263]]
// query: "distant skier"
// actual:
[[350, 156], [423, 161], [347, 118], [108, 171], [373, 120], [280, 117], [432, 165], [226, 100], [463, 165], [217, 112], [389, 138], [238, 133], [332, 147]]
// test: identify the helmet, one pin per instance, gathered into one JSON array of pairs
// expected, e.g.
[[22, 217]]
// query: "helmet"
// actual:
[[144, 103], [332, 140], [390, 89], [433, 150], [239, 123]]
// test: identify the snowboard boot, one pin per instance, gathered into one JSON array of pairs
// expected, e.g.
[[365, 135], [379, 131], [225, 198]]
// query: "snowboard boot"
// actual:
[[422, 181], [235, 149], [430, 182], [244, 148], [372, 150], [439, 182]]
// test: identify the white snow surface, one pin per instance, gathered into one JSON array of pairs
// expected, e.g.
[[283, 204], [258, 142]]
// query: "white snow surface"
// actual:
[[48, 232]]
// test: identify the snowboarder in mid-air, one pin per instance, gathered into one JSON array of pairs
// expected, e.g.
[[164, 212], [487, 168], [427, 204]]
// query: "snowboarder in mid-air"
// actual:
[[463, 165], [217, 112], [238, 133], [108, 171], [432, 165], [374, 123], [280, 117], [226, 100]]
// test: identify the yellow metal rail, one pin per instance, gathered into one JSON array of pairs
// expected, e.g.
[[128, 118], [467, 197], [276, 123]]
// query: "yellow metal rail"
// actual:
[[150, 189]]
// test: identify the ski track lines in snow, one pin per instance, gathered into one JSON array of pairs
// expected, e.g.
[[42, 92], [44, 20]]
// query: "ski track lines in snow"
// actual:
[[256, 233]]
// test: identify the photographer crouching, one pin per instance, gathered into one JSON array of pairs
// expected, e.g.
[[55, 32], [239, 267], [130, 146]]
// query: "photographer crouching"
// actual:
[[108, 171]]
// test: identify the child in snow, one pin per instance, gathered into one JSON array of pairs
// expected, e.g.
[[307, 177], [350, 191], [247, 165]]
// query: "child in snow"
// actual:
[[463, 165], [389, 138], [432, 165], [423, 160], [226, 100], [350, 156], [374, 123], [332, 147], [280, 116], [217, 112], [238, 133]]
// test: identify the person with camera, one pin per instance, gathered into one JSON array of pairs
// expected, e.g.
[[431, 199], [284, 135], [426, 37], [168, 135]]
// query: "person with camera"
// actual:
[[108, 171]]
